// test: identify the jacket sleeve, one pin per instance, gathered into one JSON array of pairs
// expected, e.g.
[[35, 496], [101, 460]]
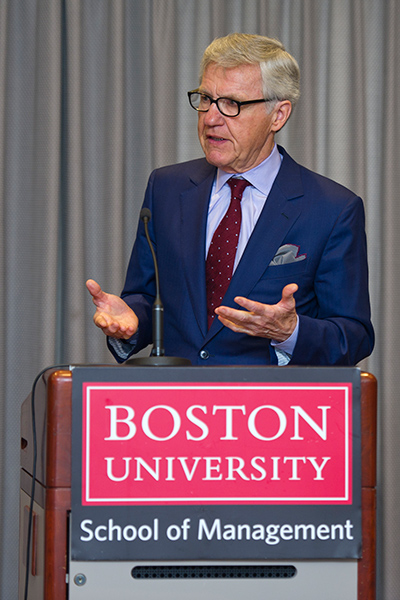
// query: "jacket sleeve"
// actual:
[[341, 333], [139, 289]]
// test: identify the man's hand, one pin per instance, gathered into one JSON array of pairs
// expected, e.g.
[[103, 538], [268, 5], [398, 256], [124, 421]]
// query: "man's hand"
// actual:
[[276, 322], [112, 315]]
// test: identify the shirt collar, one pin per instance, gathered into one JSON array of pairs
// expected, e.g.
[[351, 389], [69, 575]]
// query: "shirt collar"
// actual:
[[261, 177]]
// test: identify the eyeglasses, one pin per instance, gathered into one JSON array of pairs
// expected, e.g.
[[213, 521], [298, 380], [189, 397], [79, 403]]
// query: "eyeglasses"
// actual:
[[226, 106]]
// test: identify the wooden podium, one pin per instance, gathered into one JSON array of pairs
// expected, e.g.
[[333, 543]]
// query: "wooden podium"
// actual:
[[48, 568]]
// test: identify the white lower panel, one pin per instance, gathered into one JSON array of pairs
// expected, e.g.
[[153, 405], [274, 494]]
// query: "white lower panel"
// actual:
[[314, 580]]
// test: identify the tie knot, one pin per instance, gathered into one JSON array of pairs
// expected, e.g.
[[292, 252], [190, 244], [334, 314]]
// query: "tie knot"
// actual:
[[237, 187]]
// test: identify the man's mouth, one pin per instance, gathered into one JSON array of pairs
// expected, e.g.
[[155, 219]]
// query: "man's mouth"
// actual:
[[214, 138]]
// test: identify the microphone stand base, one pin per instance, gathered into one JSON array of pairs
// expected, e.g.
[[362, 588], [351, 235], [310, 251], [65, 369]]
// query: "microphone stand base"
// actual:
[[158, 361]]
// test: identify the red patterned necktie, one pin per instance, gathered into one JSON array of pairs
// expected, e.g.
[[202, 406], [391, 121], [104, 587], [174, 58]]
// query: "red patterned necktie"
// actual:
[[222, 251]]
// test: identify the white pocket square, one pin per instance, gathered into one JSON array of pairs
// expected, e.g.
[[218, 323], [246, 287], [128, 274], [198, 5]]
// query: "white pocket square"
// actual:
[[288, 253]]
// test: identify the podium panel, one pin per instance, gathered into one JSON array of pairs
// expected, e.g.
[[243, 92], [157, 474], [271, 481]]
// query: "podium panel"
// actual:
[[329, 580], [56, 574]]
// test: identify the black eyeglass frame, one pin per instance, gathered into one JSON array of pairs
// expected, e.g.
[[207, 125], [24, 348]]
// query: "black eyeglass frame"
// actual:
[[216, 100]]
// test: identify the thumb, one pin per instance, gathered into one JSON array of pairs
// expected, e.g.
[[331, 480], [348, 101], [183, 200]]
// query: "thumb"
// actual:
[[94, 288], [288, 293]]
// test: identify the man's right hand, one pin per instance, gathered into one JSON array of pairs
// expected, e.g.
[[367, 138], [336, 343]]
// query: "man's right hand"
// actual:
[[113, 316]]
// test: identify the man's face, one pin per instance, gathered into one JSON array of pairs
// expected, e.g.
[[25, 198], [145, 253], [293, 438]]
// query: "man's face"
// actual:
[[236, 144]]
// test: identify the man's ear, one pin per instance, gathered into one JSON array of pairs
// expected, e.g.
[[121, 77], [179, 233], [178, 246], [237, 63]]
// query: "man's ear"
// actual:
[[281, 112]]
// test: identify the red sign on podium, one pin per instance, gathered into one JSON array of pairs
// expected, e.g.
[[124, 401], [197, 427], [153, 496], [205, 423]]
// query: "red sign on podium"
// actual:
[[215, 443]]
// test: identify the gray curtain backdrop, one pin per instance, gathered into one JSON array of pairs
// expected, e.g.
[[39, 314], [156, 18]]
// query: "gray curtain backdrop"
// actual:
[[92, 98]]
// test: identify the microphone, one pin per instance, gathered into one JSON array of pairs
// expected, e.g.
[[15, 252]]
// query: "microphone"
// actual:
[[157, 358], [158, 308]]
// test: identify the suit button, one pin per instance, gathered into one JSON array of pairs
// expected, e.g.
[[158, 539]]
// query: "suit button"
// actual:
[[204, 354]]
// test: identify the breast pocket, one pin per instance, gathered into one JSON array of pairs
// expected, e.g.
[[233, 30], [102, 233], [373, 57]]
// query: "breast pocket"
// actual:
[[268, 288], [287, 270]]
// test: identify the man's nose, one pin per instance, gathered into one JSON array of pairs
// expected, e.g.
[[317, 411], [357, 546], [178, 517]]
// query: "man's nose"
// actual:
[[213, 116]]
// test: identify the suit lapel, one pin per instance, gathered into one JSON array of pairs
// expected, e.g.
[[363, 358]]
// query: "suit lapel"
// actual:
[[194, 208], [276, 219], [274, 223]]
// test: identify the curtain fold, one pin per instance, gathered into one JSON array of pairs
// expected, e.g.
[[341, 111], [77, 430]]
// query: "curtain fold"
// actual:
[[389, 331], [92, 98]]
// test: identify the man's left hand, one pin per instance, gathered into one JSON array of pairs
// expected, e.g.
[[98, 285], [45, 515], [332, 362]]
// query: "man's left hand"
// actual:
[[274, 321]]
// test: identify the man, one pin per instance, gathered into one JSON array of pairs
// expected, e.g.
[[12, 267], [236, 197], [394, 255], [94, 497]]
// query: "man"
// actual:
[[297, 289]]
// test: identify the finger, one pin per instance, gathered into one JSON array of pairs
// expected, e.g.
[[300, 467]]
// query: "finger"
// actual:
[[100, 320], [237, 320], [234, 325], [260, 308], [288, 293], [231, 314], [93, 287], [111, 330], [250, 305]]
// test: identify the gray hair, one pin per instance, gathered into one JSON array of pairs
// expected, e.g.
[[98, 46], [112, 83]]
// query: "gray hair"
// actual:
[[280, 72]]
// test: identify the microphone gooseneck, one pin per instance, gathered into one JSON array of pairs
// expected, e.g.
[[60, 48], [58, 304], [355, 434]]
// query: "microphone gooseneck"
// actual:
[[157, 358], [158, 308]]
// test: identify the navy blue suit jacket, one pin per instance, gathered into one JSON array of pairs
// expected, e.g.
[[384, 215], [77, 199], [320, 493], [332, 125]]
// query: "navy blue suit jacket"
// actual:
[[324, 219]]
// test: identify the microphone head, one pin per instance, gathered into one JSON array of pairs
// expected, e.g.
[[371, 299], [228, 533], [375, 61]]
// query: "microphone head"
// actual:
[[145, 213]]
